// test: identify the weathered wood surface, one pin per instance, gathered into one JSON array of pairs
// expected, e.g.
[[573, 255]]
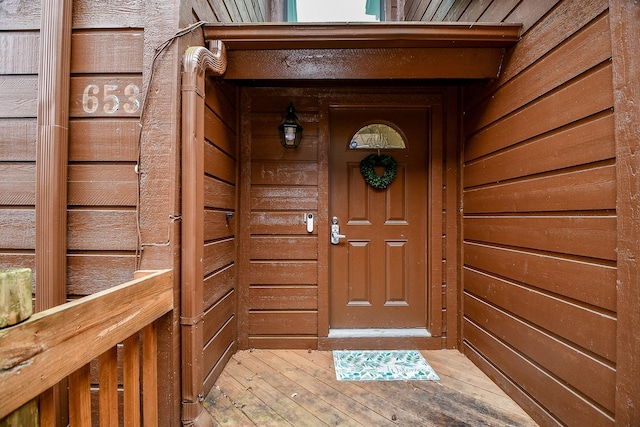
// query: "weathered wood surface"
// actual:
[[592, 375], [26, 415], [625, 21], [541, 224], [16, 304], [44, 349], [427, 63], [274, 387], [583, 142], [19, 52], [573, 279], [122, 56], [220, 176], [18, 142], [519, 126]]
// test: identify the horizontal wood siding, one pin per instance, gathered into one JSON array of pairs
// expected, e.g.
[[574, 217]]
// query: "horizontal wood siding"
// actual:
[[509, 11], [103, 139], [19, 53], [280, 273], [105, 104], [540, 215], [220, 270]]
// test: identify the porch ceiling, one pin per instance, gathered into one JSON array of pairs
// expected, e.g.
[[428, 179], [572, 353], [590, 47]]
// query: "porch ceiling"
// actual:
[[363, 51]]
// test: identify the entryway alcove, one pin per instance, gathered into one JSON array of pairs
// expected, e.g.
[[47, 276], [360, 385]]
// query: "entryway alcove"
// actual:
[[281, 280]]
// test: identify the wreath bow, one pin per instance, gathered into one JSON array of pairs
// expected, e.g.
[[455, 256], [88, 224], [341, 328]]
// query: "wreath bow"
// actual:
[[370, 175]]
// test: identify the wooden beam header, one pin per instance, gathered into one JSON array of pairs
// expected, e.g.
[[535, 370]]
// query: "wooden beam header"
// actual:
[[362, 35], [399, 50]]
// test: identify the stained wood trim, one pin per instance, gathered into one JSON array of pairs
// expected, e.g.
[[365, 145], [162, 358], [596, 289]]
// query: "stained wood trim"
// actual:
[[246, 218], [436, 243], [324, 143], [453, 220], [370, 63], [52, 153], [362, 35], [399, 50], [625, 27], [51, 173]]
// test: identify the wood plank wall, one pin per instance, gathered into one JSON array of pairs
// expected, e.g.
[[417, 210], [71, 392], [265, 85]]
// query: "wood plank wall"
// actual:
[[106, 63], [221, 167], [540, 218], [226, 11], [220, 296], [102, 144], [281, 270], [19, 49], [279, 284]]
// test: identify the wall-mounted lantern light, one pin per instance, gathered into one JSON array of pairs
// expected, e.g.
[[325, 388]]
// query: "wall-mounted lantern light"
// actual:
[[290, 129]]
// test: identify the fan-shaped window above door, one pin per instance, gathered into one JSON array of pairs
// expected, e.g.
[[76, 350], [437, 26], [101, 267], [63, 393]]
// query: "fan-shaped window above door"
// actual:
[[377, 136]]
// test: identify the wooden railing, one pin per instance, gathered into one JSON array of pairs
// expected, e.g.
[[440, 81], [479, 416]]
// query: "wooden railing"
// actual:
[[61, 342]]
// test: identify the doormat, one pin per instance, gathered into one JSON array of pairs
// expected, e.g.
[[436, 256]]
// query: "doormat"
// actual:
[[385, 365]]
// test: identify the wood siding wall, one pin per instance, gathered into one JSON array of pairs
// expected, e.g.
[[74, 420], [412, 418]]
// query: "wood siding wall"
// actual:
[[103, 142], [19, 41], [220, 300], [279, 284], [510, 11], [220, 164], [103, 148], [282, 273], [226, 11], [540, 219]]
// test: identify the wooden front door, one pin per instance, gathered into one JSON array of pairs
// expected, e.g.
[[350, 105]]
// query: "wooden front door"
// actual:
[[378, 271]]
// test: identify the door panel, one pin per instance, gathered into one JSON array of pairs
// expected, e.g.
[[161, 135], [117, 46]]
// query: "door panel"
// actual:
[[378, 272]]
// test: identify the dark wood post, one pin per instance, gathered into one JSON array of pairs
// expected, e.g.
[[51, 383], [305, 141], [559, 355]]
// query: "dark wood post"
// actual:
[[625, 28]]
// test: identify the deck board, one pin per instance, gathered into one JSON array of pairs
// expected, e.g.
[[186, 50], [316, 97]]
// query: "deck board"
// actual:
[[299, 388]]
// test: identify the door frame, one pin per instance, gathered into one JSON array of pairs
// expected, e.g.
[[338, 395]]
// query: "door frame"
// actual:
[[443, 105]]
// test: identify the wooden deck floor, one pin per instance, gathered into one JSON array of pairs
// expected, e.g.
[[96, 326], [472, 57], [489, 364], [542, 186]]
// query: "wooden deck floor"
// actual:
[[299, 388]]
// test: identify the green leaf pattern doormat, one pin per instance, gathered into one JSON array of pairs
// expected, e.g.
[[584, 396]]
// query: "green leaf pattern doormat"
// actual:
[[385, 365]]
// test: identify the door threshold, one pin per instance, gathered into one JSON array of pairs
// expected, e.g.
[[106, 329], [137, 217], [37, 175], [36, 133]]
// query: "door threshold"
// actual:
[[379, 333]]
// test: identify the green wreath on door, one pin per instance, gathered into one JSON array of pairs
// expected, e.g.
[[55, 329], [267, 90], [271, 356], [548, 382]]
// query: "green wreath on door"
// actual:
[[371, 177]]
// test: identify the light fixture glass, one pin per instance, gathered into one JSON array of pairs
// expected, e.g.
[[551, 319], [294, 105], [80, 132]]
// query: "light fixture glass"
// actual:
[[290, 129]]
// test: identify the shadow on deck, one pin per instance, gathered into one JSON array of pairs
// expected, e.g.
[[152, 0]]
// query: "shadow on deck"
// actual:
[[299, 388]]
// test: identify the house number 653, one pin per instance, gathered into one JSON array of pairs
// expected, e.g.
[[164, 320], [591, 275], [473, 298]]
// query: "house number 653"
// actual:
[[110, 98]]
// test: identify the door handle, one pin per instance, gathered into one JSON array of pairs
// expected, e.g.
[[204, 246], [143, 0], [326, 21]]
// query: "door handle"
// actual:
[[335, 231]]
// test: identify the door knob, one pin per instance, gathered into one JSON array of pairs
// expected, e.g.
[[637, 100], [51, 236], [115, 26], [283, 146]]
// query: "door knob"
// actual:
[[335, 231]]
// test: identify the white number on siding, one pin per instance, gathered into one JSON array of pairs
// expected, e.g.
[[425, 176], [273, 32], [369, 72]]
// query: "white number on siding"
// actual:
[[110, 98], [131, 92], [89, 100]]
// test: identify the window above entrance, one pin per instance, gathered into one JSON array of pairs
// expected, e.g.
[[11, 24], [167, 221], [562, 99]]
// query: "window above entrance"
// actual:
[[378, 136], [334, 10]]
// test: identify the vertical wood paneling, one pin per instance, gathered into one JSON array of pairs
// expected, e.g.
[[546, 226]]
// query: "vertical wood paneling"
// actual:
[[540, 204]]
